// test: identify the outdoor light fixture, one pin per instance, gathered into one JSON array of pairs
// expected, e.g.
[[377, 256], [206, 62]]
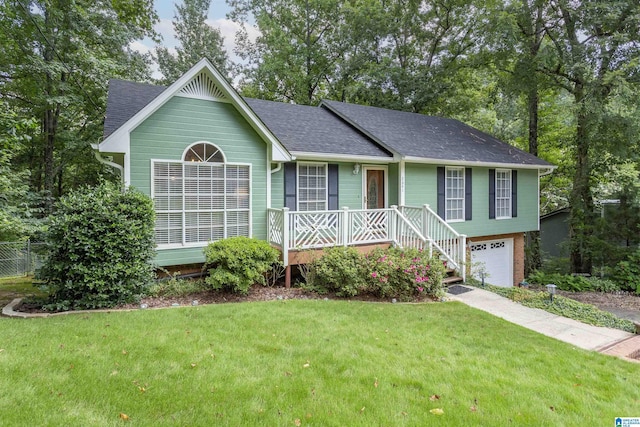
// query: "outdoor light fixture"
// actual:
[[482, 277], [356, 168], [551, 288]]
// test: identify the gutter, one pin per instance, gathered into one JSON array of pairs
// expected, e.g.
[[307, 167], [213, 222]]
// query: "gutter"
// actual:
[[107, 162]]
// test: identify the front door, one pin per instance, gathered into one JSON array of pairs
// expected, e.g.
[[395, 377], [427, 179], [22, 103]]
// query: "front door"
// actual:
[[374, 188]]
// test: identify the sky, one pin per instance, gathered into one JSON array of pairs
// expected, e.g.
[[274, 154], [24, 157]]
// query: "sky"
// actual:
[[217, 19]]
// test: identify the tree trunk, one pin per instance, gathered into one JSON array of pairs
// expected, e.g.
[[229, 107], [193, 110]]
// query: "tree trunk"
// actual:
[[581, 222]]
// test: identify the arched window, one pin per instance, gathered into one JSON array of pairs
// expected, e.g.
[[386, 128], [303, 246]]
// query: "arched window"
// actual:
[[203, 152], [202, 198]]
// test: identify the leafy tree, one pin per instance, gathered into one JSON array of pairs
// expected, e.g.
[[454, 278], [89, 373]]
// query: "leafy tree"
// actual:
[[595, 52], [58, 57], [197, 40]]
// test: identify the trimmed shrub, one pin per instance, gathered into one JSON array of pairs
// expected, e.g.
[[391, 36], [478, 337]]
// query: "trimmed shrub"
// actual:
[[100, 247], [404, 273], [340, 269], [237, 263]]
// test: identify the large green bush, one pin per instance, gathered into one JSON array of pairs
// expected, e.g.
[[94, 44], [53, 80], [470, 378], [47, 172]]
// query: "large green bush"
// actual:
[[340, 269], [237, 263], [100, 247]]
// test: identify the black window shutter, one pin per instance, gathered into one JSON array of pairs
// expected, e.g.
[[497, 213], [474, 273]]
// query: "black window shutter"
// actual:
[[290, 186], [492, 194], [441, 192], [514, 194], [333, 187], [467, 194]]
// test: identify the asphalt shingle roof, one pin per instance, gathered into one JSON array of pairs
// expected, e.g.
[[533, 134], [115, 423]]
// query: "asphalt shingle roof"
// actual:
[[340, 128], [309, 129], [417, 135], [124, 100]]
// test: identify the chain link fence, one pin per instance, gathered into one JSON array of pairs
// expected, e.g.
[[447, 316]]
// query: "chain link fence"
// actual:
[[20, 258]]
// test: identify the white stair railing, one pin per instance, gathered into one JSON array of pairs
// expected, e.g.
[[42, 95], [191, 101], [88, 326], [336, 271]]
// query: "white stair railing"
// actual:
[[451, 244]]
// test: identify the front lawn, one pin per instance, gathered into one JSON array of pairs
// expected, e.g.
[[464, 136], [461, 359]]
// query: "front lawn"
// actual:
[[16, 287], [303, 363]]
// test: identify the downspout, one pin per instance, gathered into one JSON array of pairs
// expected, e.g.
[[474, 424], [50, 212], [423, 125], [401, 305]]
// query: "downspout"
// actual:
[[277, 168], [108, 163]]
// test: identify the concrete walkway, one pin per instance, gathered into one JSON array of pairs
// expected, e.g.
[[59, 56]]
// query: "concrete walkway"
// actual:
[[581, 335]]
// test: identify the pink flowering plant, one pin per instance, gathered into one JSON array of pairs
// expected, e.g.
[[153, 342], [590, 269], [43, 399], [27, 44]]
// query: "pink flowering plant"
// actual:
[[404, 273]]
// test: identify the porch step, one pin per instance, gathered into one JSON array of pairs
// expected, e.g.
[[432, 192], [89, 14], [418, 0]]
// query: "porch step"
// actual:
[[450, 280]]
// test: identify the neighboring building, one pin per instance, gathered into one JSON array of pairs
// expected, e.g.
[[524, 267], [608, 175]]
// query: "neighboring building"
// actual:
[[219, 165]]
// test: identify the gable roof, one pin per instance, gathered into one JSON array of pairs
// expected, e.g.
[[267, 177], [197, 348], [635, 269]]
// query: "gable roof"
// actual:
[[201, 81], [307, 130], [431, 139]]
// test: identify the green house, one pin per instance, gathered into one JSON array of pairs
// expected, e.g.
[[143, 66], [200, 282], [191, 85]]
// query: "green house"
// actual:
[[219, 165]]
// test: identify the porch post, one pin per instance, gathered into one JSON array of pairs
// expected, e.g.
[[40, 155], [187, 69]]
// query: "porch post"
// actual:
[[463, 257], [392, 224], [425, 220], [285, 247], [346, 227], [285, 236]]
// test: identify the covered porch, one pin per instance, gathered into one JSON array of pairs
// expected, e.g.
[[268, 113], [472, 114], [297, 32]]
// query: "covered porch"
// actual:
[[300, 234]]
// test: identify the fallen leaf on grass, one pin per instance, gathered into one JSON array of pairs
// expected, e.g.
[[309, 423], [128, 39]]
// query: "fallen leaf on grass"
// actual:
[[142, 389], [375, 384], [473, 408], [552, 408], [125, 352], [193, 365], [306, 365], [124, 416], [362, 410], [434, 397], [298, 422], [437, 411]]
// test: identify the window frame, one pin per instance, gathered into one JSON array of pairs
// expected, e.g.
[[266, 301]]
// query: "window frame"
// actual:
[[326, 187], [506, 198], [183, 211], [462, 179]]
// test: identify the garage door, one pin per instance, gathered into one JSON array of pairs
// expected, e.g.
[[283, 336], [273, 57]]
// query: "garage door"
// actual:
[[497, 258]]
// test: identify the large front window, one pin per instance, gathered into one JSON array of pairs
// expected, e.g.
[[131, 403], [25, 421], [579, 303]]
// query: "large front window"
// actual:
[[503, 193], [201, 198], [312, 186], [454, 192]]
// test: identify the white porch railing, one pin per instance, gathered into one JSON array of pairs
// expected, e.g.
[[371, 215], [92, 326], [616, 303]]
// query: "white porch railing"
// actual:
[[405, 227]]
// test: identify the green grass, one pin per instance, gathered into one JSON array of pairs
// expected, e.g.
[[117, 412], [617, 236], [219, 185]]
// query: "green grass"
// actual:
[[16, 287], [324, 363]]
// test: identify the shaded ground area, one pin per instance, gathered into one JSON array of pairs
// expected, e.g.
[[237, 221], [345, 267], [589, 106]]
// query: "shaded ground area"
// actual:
[[623, 304]]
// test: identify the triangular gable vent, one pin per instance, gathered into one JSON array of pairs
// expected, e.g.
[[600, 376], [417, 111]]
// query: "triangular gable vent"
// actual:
[[202, 86]]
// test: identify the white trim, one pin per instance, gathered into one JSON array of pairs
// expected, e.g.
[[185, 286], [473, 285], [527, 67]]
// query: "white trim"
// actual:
[[385, 183], [464, 163], [495, 200], [462, 178], [401, 183], [326, 183], [354, 158], [120, 140]]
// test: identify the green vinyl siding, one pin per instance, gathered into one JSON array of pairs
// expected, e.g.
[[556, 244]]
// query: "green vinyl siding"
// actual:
[[183, 121], [350, 187], [421, 188], [277, 188]]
